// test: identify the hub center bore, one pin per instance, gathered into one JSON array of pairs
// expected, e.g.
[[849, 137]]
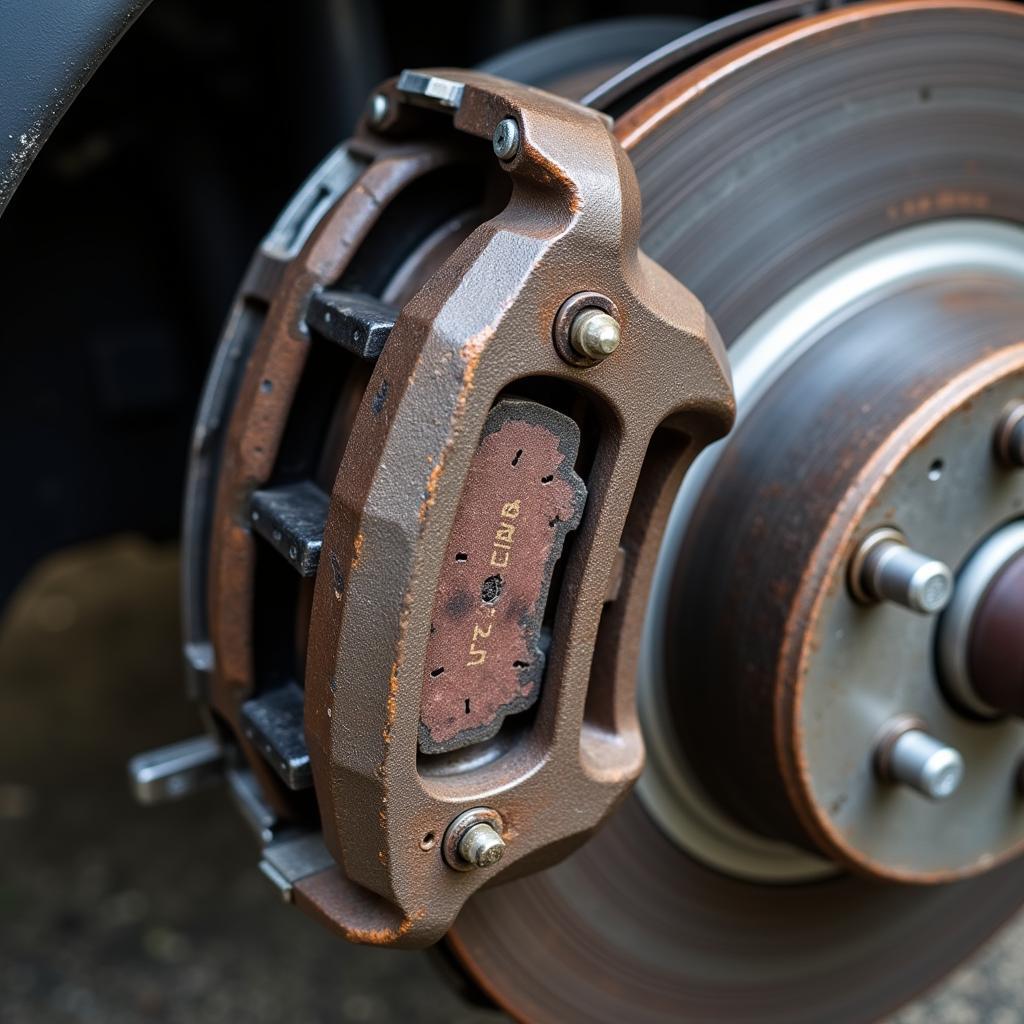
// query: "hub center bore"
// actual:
[[842, 394]]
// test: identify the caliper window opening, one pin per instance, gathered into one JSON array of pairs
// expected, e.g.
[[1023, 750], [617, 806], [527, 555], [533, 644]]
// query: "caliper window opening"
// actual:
[[584, 410]]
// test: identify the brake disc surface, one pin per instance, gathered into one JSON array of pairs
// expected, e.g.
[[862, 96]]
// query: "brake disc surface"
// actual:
[[759, 168]]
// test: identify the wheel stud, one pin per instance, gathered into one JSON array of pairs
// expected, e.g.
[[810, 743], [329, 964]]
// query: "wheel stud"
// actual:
[[911, 757], [885, 568], [1009, 436]]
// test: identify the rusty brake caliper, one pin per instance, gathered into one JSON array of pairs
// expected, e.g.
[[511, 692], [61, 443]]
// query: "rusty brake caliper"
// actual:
[[492, 528]]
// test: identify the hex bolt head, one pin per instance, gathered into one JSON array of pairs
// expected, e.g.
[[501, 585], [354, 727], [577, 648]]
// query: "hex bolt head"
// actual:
[[885, 568], [377, 109], [595, 334], [481, 846], [506, 138], [918, 760]]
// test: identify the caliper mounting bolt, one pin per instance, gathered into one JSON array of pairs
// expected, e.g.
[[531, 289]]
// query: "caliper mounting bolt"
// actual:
[[506, 138], [481, 846], [587, 329], [886, 568], [909, 755], [474, 840], [595, 334], [377, 109]]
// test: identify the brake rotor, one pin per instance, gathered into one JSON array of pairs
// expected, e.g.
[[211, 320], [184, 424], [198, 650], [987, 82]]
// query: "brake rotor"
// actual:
[[797, 156]]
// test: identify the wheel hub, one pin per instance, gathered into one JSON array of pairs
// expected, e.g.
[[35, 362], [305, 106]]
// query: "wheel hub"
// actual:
[[873, 446]]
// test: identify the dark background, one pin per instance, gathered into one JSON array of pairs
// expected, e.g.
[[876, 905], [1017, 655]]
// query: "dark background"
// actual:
[[123, 246]]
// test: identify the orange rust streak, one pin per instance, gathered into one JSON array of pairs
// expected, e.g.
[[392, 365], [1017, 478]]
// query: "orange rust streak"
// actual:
[[392, 702], [382, 936], [330, 898], [471, 352], [433, 481]]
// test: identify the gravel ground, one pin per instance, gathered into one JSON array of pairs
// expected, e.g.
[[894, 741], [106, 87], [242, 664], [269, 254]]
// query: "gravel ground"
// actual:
[[113, 914]]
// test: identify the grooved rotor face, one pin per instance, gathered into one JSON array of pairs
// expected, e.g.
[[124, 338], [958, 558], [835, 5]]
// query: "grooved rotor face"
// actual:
[[759, 168]]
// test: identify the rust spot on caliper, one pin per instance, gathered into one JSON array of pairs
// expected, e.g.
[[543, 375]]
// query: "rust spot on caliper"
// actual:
[[521, 499]]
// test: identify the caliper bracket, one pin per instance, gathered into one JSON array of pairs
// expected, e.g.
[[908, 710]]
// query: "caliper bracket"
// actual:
[[393, 601]]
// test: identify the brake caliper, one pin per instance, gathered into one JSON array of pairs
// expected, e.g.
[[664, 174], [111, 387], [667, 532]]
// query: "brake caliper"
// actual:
[[464, 345]]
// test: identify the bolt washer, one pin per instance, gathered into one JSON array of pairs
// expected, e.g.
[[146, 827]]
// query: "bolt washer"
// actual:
[[459, 827]]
